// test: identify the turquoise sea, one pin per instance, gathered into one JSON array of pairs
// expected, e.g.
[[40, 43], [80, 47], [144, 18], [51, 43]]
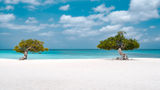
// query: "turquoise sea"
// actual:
[[82, 54]]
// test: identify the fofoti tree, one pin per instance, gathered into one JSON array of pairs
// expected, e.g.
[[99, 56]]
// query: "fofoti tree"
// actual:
[[119, 42], [30, 45]]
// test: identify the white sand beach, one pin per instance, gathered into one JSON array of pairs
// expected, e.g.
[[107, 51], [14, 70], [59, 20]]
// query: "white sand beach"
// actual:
[[80, 74]]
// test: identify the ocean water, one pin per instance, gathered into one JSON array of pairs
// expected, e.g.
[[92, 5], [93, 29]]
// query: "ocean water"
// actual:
[[82, 54]]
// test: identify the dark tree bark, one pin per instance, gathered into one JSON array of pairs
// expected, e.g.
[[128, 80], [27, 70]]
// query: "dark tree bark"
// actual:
[[25, 55], [123, 55]]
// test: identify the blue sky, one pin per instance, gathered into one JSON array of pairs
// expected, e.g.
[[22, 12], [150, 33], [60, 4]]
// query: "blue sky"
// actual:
[[77, 24]]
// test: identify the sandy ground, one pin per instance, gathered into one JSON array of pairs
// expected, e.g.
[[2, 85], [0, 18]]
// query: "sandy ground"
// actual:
[[80, 74]]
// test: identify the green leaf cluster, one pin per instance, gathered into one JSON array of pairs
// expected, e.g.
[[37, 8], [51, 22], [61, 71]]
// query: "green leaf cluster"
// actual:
[[119, 41], [30, 45]]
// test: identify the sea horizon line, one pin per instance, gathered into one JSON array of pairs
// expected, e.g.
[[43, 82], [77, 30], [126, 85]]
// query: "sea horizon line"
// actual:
[[89, 49]]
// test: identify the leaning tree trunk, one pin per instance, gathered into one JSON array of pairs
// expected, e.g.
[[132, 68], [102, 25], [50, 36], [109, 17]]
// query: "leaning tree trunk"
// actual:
[[25, 55], [123, 55]]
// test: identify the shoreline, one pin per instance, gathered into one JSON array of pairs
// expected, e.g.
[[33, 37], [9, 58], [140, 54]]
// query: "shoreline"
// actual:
[[85, 59]]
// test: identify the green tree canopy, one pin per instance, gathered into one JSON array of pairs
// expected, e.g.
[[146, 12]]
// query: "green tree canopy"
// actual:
[[118, 41], [30, 45]]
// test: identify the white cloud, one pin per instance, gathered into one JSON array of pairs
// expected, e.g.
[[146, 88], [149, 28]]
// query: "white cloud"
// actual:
[[103, 9], [80, 26], [50, 25], [93, 0], [31, 20], [48, 2], [96, 16], [127, 29], [157, 39], [119, 17], [30, 7], [81, 32], [49, 33], [34, 2], [140, 10], [45, 2], [103, 12], [8, 7], [11, 1], [65, 7], [6, 17], [81, 21], [152, 27], [27, 28], [110, 28], [113, 29]]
